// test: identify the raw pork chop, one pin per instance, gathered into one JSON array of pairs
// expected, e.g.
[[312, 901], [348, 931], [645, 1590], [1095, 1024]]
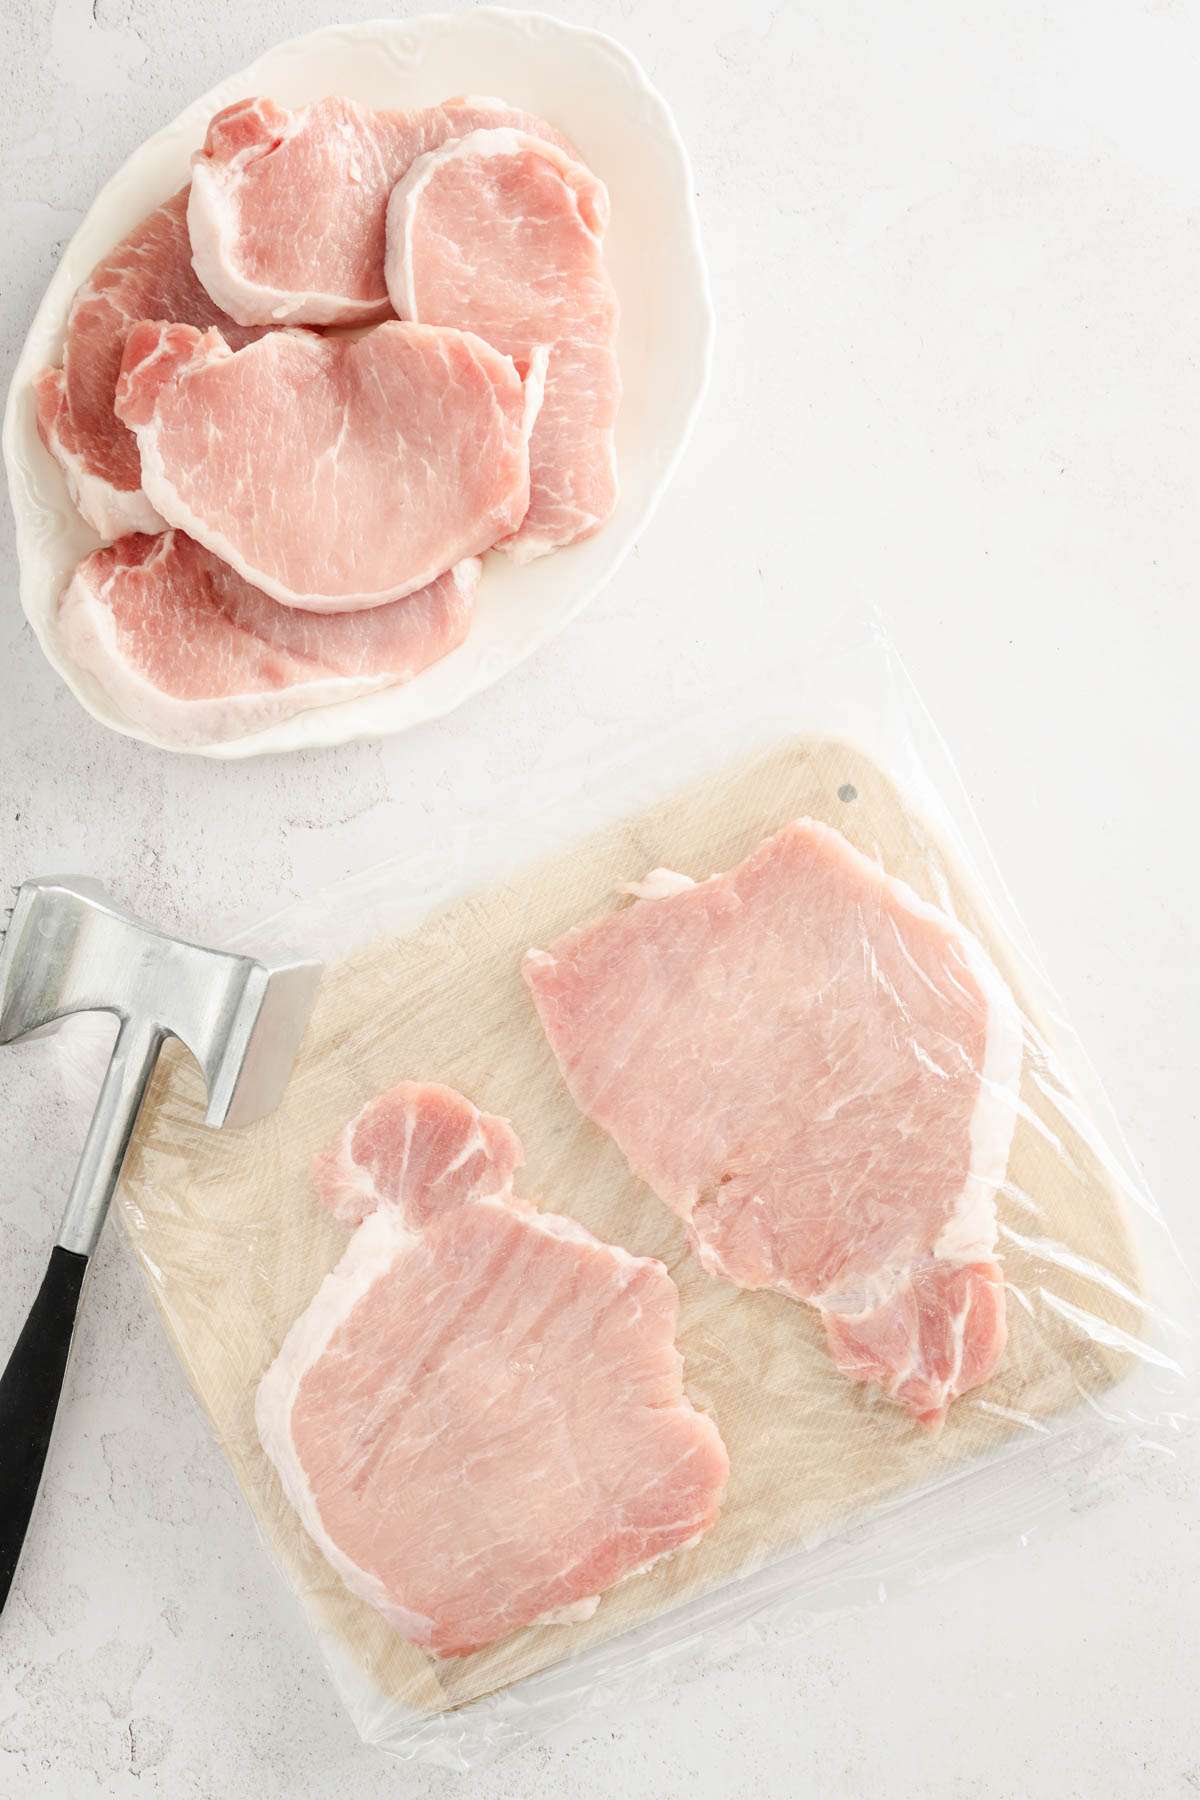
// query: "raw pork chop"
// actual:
[[287, 208], [332, 473], [148, 276], [196, 655], [480, 1418], [501, 233], [817, 1071]]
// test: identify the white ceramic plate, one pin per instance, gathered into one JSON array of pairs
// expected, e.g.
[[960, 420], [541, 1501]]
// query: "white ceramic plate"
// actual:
[[595, 91]]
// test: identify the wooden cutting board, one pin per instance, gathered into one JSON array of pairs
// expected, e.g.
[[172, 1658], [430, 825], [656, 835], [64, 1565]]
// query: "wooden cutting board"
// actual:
[[235, 1244]]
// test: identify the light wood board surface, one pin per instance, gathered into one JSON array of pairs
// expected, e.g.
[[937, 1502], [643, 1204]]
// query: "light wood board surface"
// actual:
[[235, 1244]]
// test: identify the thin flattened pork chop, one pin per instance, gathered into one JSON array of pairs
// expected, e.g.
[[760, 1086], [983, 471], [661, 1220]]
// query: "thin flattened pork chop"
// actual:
[[148, 276], [480, 1418], [287, 208], [817, 1071], [502, 234], [193, 653], [332, 473]]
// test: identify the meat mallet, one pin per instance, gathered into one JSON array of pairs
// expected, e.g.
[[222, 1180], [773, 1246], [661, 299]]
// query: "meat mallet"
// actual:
[[68, 949]]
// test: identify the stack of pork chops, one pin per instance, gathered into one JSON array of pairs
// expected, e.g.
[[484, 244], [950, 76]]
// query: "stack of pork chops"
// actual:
[[292, 511]]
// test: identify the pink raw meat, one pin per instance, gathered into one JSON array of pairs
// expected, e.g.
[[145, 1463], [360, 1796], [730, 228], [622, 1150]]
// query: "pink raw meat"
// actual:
[[148, 276], [287, 208], [194, 654], [817, 1071], [332, 473], [421, 1149], [480, 1418], [502, 234]]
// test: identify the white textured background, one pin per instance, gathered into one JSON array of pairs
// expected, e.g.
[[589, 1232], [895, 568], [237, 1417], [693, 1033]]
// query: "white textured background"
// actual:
[[956, 252]]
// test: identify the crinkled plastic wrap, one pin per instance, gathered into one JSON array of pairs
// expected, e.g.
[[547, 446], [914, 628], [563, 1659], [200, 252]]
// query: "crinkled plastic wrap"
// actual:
[[835, 1494]]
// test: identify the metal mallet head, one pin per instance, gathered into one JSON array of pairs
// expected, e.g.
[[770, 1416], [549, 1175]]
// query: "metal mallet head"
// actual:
[[69, 950]]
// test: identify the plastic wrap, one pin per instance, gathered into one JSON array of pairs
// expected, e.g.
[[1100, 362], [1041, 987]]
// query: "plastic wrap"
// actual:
[[835, 1493]]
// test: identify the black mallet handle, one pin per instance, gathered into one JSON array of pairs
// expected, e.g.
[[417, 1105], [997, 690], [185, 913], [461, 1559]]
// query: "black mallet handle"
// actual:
[[29, 1391]]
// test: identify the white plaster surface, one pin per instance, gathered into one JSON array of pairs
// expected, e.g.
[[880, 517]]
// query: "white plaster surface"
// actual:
[[956, 253]]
